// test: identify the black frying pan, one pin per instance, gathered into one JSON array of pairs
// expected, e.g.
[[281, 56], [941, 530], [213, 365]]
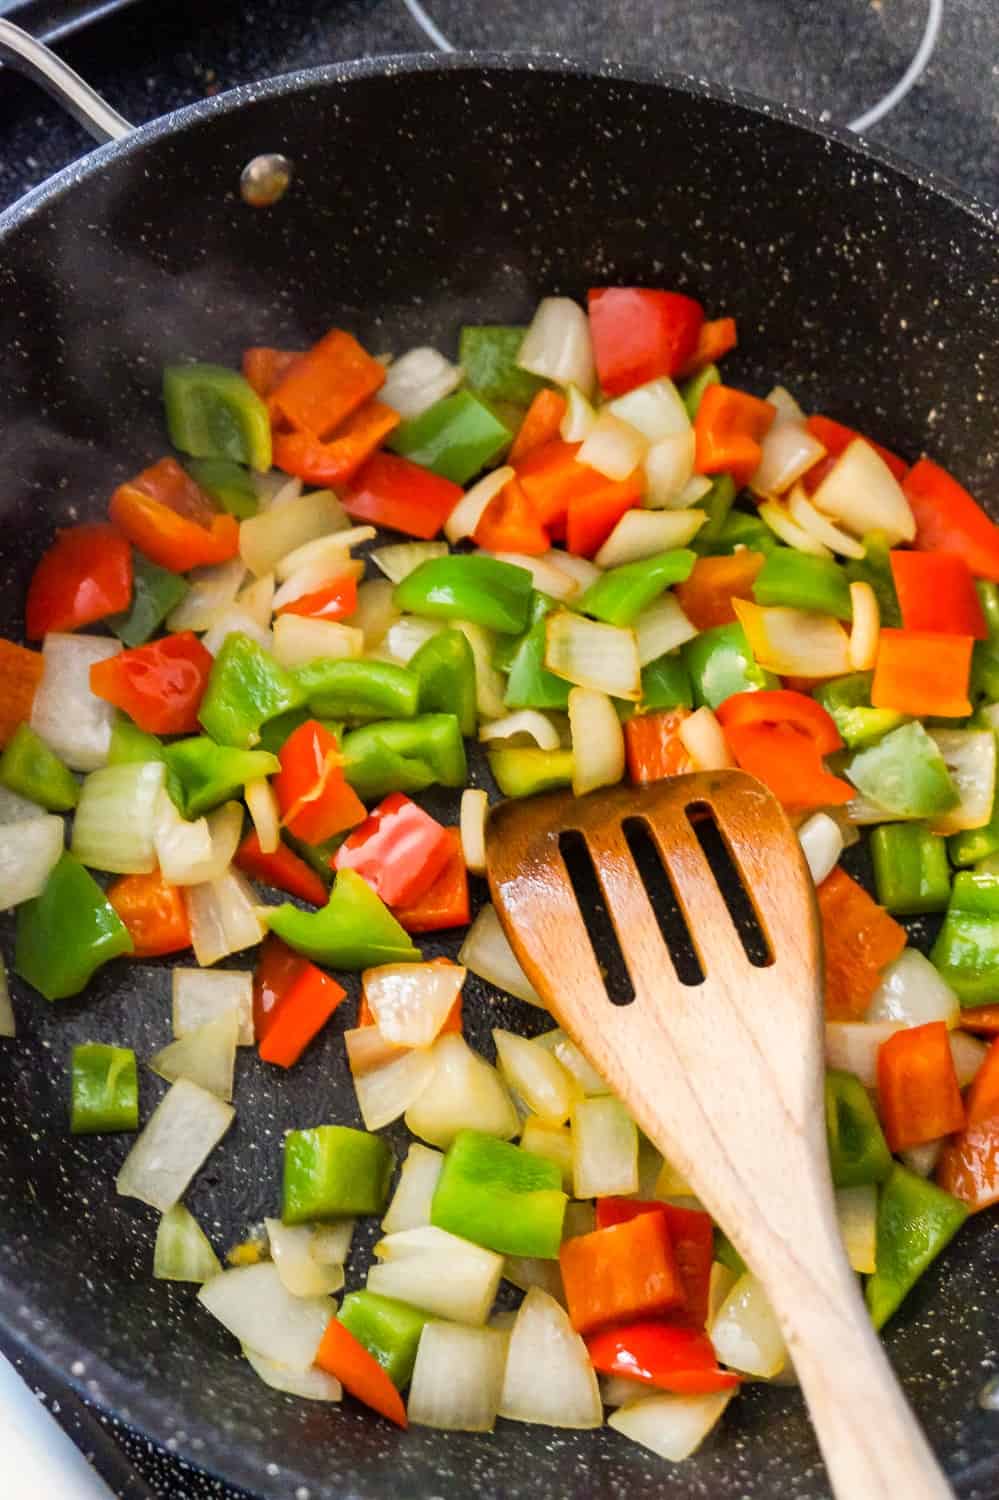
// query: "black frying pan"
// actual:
[[431, 192]]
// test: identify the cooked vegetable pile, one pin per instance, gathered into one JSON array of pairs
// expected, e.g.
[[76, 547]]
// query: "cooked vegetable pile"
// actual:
[[643, 571]]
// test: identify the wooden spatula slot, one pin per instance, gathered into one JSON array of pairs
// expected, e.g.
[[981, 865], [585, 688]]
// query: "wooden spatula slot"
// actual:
[[607, 953], [662, 898], [728, 877]]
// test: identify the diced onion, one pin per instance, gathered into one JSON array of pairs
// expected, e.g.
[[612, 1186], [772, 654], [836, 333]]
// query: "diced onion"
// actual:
[[273, 487], [182, 1131], [579, 418], [542, 1138], [403, 558], [464, 1093], [803, 512], [411, 1002], [324, 554], [746, 1334], [253, 1303], [183, 1251], [673, 1427], [866, 628], [574, 1062], [557, 345], [581, 569], [597, 741], [486, 952], [368, 1050], [257, 600], [857, 1214], [862, 493], [794, 641], [474, 808], [193, 853], [262, 806], [526, 724], [8, 1025], [115, 824], [524, 1272], [419, 379], [312, 1384], [223, 917], [17, 809], [970, 758], [439, 1272], [29, 852], [212, 591], [69, 717], [669, 471], [410, 1205], [591, 654], [407, 633], [854, 1046], [720, 1283], [656, 409], [457, 1378], [299, 639], [468, 512], [788, 409], [300, 1272], [490, 685], [914, 992], [612, 447], [968, 1053], [923, 1159], [662, 626], [201, 995], [548, 1377], [236, 621], [205, 1056], [787, 451], [694, 491], [644, 533], [547, 572], [704, 740], [376, 610], [783, 524], [821, 843], [604, 1149], [535, 1076], [330, 1243], [266, 538], [386, 1092]]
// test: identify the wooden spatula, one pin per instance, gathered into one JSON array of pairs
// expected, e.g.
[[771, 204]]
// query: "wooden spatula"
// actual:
[[724, 1076]]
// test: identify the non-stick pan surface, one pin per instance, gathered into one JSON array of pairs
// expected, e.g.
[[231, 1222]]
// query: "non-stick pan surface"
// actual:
[[429, 193]]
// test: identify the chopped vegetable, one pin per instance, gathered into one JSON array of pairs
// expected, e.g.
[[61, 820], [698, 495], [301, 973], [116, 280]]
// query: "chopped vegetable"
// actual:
[[918, 1094], [211, 412], [332, 1171], [969, 1162], [354, 930], [458, 1378], [183, 1130], [621, 1273], [167, 517], [745, 1332], [500, 1196], [65, 713], [463, 1092], [949, 521], [858, 1153], [916, 1220], [919, 672], [639, 334], [205, 1056], [911, 872], [67, 931], [104, 1089], [153, 913], [548, 1377], [398, 849], [663, 1355], [859, 939], [156, 593], [29, 768], [966, 951], [390, 1331], [256, 1307], [183, 1251], [341, 1355], [85, 575]]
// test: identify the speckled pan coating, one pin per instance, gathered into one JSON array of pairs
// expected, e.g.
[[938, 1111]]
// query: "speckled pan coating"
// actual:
[[428, 193]]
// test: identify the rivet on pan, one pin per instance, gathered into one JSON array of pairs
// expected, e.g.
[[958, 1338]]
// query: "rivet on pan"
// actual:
[[265, 180]]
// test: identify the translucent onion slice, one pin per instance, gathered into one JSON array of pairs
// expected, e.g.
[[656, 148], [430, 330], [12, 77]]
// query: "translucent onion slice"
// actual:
[[669, 473], [721, 1282], [262, 806], [183, 1130], [656, 409], [862, 493], [865, 632], [266, 538], [231, 622], [257, 600], [782, 524], [542, 1138], [223, 917], [324, 554], [183, 1251], [704, 741], [300, 1272], [579, 419], [673, 1427], [212, 591], [803, 512], [474, 809], [490, 685], [419, 379], [115, 824], [913, 992], [923, 1159], [787, 451], [411, 1002], [330, 1243], [968, 1053], [597, 741], [618, 1390], [201, 995], [193, 853], [17, 809], [581, 569], [274, 487], [403, 558], [312, 1384], [644, 533], [298, 639], [368, 1050], [410, 1205], [821, 841], [457, 1378], [385, 1093], [29, 852], [547, 571], [376, 611], [604, 1149], [463, 1093], [205, 1056], [794, 642], [591, 654], [662, 626], [854, 1046], [746, 1334], [857, 1214], [8, 1025], [557, 345], [574, 1062], [536, 1076], [69, 717], [788, 409], [407, 633], [439, 1272], [613, 447], [548, 1377], [523, 1272], [526, 725], [970, 758], [252, 1302], [470, 509], [486, 952]]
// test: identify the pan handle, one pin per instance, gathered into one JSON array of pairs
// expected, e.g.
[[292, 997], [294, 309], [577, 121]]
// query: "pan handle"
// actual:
[[57, 78]]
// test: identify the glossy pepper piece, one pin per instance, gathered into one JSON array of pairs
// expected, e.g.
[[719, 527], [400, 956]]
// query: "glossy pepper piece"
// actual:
[[920, 673], [84, 576], [916, 1220], [739, 529], [497, 1195], [281, 868], [706, 595], [540, 425], [918, 1093], [104, 1089], [20, 672], [510, 523], [445, 903], [358, 690], [595, 508], [444, 668], [201, 774], [469, 587], [966, 950], [246, 687], [405, 755], [67, 932], [985, 656], [31, 769], [522, 771], [787, 761], [313, 795], [973, 844], [800, 580], [721, 663], [354, 930], [858, 939], [155, 592], [653, 747], [936, 593], [160, 686], [342, 1355], [904, 773], [666, 684], [693, 388], [717, 337], [335, 601], [666, 1356], [337, 460], [858, 1152], [154, 913], [729, 427], [717, 506], [621, 1273], [168, 517], [969, 1163], [529, 683], [848, 702], [213, 412], [399, 850], [228, 483], [911, 870], [322, 388], [332, 1171], [131, 745], [455, 438], [691, 1235], [293, 1000], [640, 333], [949, 519], [390, 491], [390, 1331], [618, 596], [265, 368], [488, 355]]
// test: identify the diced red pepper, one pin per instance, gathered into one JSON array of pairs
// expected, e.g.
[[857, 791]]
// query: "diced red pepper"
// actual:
[[336, 601], [729, 427], [639, 334], [283, 869], [391, 491], [85, 575], [691, 1234], [948, 519], [550, 476], [787, 761], [264, 368], [399, 849], [154, 912], [858, 939], [170, 519], [344, 1357], [595, 509], [315, 798], [624, 1272], [835, 438], [668, 1356], [782, 706], [919, 1098], [160, 686], [936, 594], [541, 424], [338, 459], [654, 748], [919, 673], [509, 523], [969, 1163], [706, 595], [292, 1001], [445, 903], [328, 383], [714, 341], [278, 966], [20, 672]]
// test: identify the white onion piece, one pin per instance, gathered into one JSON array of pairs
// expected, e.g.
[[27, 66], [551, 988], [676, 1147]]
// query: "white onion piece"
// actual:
[[419, 379], [547, 572], [854, 1046], [470, 509], [17, 809], [857, 1215], [579, 419], [300, 1272], [376, 611], [201, 995], [29, 852], [673, 1427], [604, 1149], [323, 553], [574, 1062], [403, 558], [252, 1302], [535, 1076], [548, 1377], [271, 485], [183, 1251], [656, 409], [439, 1272], [464, 1093], [486, 952], [194, 853], [414, 1192], [411, 1002], [591, 654], [266, 538], [557, 345], [862, 493], [581, 569], [223, 917], [212, 591], [788, 409], [865, 632], [490, 685], [115, 824], [457, 1378], [746, 1334], [312, 1384], [206, 1056], [782, 524], [968, 1053], [970, 758], [69, 717], [262, 805], [669, 473], [704, 740], [330, 1243], [386, 1092], [923, 1159], [618, 1390], [662, 626], [407, 633], [257, 600], [368, 1050], [914, 992], [554, 1142], [721, 1282], [821, 843], [8, 1025], [803, 512], [597, 741], [613, 447], [644, 533], [860, 812], [524, 1272], [232, 622], [787, 451], [298, 639], [180, 1134], [474, 809], [795, 641], [525, 724]]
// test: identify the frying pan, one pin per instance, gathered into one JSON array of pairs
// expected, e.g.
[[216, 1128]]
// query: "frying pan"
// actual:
[[429, 192]]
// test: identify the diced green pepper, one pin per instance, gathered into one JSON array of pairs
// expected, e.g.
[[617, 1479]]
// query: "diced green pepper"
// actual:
[[388, 1329], [848, 701], [104, 1089], [858, 1151], [911, 870], [469, 586], [444, 668], [721, 663], [966, 951], [155, 592], [212, 412], [618, 596], [985, 656], [201, 774], [904, 773], [499, 1196], [131, 745], [332, 1171], [875, 568], [716, 505], [227, 483], [31, 769], [974, 844], [354, 930], [530, 684], [693, 389], [916, 1220], [405, 755], [67, 932], [522, 770], [738, 529], [800, 580], [246, 687], [358, 690], [275, 731], [488, 355], [729, 1256], [456, 437], [666, 684]]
